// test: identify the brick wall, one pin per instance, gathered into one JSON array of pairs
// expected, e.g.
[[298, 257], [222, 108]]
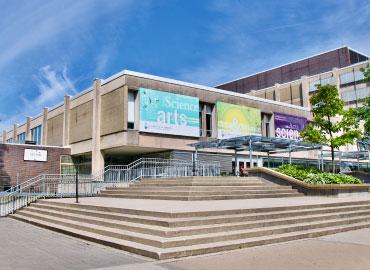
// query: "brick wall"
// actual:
[[12, 163]]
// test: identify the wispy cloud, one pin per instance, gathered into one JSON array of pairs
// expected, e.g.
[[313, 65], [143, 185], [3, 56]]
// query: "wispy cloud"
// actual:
[[52, 86], [251, 43]]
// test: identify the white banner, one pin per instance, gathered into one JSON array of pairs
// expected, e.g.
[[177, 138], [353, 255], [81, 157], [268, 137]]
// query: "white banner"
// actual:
[[35, 155]]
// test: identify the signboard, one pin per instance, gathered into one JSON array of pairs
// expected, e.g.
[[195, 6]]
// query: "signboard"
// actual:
[[35, 155], [235, 120], [288, 126], [168, 113]]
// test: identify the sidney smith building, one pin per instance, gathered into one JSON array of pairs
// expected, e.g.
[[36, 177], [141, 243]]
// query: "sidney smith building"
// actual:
[[132, 115]]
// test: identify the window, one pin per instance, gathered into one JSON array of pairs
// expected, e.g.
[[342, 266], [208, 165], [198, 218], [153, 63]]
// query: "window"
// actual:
[[36, 134], [267, 129], [21, 138], [208, 120], [205, 123], [10, 140], [131, 110]]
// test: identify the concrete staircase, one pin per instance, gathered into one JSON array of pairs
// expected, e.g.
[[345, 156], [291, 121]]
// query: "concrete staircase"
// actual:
[[164, 235], [201, 188]]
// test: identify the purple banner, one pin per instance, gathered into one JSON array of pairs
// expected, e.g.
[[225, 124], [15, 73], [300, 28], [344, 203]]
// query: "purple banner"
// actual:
[[288, 126]]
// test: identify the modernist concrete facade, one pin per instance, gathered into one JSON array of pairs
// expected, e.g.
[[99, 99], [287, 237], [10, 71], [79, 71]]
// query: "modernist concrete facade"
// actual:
[[293, 83], [95, 123], [101, 125]]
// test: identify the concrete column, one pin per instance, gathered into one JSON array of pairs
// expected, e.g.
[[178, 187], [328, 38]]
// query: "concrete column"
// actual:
[[28, 128], [204, 128], [277, 91], [4, 136], [66, 118], [44, 138], [97, 161], [137, 111], [15, 132], [336, 79], [125, 107], [305, 91], [214, 122]]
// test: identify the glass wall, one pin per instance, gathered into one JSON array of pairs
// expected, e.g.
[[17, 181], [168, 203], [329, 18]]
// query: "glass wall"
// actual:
[[21, 138]]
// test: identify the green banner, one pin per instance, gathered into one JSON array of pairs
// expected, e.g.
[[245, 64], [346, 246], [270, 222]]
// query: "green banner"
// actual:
[[235, 120]]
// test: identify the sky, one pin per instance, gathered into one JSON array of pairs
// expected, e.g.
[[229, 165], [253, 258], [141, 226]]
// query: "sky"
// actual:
[[49, 49]]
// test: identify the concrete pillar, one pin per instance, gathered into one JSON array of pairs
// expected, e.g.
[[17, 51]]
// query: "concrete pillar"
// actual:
[[28, 129], [305, 91], [214, 122], [125, 107], [336, 79], [277, 91], [4, 136], [204, 128], [66, 117], [15, 132], [44, 138], [97, 161]]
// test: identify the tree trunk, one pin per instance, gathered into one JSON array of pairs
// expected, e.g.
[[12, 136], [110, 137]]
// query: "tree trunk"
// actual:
[[332, 158]]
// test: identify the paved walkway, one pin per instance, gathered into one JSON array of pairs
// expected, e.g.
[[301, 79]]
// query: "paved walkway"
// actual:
[[24, 246]]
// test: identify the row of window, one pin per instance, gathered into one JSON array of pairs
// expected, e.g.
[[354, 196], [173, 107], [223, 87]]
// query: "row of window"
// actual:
[[35, 136], [345, 78]]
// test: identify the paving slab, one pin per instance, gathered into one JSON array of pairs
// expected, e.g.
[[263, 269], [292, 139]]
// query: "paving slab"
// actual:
[[326, 253], [187, 206], [23, 246]]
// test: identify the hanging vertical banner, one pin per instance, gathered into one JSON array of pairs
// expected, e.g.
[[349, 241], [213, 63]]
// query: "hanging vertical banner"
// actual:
[[168, 113], [235, 120], [288, 126]]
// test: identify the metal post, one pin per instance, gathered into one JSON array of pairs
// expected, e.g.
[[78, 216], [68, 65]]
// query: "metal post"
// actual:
[[77, 184], [340, 160], [236, 169], [290, 155], [322, 160], [250, 154], [268, 159]]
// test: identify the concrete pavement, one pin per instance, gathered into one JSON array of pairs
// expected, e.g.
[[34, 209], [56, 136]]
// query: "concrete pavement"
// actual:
[[24, 246]]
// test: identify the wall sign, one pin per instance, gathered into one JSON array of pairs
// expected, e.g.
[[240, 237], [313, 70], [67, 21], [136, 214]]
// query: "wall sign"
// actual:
[[35, 155], [288, 126], [235, 120], [168, 113]]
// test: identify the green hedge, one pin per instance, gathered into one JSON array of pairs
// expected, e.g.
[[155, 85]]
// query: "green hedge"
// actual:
[[314, 176]]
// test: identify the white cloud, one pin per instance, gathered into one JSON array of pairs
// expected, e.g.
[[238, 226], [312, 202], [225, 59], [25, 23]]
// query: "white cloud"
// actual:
[[52, 86], [239, 29]]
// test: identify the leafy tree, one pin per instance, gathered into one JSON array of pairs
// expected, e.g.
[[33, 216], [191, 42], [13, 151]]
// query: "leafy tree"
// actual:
[[332, 125], [366, 72]]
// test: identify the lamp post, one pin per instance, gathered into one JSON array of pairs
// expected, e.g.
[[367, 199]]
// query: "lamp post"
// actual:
[[77, 184]]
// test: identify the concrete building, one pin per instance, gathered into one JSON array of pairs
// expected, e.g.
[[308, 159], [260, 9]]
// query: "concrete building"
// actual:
[[131, 115], [293, 83]]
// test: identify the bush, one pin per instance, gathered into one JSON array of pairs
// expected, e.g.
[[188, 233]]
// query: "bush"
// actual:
[[314, 176]]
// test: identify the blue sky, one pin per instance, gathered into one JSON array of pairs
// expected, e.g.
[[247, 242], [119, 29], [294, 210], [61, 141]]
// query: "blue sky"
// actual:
[[52, 48]]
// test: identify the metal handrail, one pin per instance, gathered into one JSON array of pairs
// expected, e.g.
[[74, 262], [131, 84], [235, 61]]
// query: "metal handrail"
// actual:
[[63, 185]]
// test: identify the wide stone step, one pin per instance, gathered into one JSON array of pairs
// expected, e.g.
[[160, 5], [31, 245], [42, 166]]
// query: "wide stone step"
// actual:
[[208, 213], [199, 229], [160, 253], [201, 198], [196, 193], [178, 183], [199, 188], [201, 220], [183, 241], [183, 221]]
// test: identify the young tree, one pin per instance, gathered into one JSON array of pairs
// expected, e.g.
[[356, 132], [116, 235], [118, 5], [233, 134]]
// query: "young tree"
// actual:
[[332, 125]]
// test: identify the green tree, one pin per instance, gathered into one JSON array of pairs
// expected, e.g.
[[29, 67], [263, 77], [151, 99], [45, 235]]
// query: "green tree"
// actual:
[[366, 72], [332, 125]]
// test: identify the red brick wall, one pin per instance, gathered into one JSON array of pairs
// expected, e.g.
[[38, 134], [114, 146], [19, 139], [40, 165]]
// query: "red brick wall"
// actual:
[[12, 163]]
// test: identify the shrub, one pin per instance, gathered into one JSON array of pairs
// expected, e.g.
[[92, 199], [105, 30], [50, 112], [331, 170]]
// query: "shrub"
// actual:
[[314, 176]]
